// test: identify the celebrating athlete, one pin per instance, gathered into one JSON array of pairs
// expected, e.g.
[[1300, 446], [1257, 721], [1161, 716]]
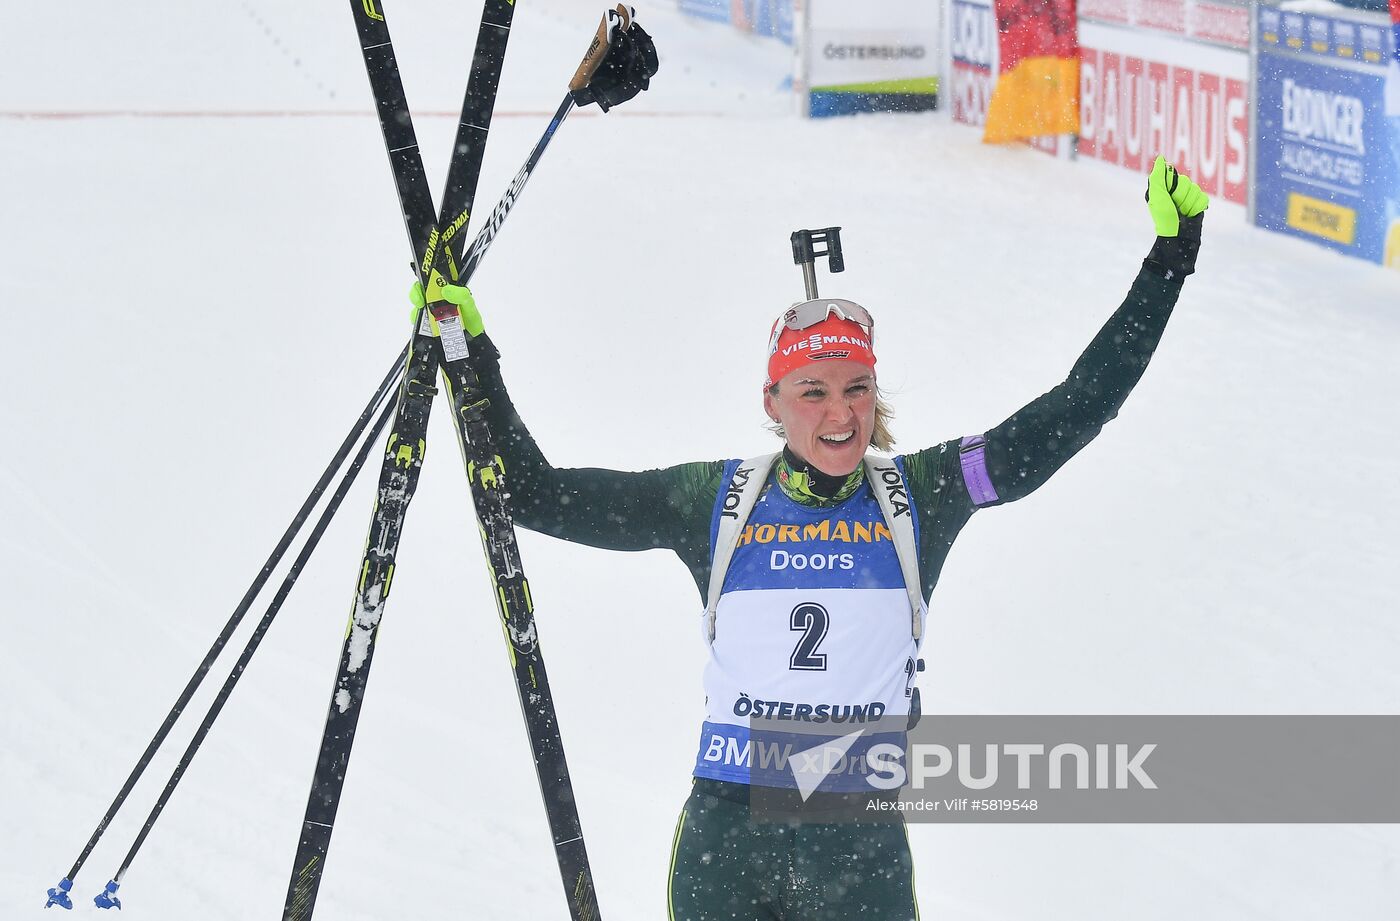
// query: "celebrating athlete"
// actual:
[[815, 563]]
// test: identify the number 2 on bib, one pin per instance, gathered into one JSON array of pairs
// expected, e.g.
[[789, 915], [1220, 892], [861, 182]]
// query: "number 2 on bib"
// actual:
[[811, 619]]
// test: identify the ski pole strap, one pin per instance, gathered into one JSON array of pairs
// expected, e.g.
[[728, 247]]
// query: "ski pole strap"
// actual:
[[972, 454]]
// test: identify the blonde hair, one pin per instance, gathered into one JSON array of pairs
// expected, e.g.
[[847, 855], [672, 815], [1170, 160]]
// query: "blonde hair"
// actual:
[[880, 437]]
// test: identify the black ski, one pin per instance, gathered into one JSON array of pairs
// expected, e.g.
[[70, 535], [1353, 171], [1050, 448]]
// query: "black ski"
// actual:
[[403, 458], [487, 476], [439, 341]]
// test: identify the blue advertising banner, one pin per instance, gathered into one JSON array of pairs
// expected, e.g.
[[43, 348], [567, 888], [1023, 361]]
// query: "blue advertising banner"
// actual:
[[761, 17], [771, 17], [1328, 135], [717, 10]]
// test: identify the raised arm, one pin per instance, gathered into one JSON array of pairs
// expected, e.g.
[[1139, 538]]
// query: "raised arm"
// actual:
[[1021, 453]]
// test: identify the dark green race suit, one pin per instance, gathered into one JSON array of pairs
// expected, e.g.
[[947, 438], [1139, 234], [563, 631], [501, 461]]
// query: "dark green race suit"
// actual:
[[723, 865]]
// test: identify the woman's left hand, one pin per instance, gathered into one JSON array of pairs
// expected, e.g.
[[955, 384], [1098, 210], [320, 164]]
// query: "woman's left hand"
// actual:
[[461, 296], [1177, 206]]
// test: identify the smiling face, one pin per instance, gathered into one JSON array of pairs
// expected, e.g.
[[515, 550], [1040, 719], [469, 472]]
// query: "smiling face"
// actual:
[[827, 411]]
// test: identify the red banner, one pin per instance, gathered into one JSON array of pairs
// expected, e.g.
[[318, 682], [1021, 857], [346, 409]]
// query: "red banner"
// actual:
[[1133, 108], [1037, 92], [1395, 18]]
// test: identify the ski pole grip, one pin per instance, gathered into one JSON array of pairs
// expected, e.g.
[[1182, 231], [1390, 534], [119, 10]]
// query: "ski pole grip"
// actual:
[[598, 49]]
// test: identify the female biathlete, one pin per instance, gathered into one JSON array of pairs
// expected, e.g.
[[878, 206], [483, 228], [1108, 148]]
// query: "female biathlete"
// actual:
[[809, 615]]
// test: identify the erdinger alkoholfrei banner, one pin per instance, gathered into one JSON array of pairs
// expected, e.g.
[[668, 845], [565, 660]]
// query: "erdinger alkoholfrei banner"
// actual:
[[1037, 90], [1391, 256], [1328, 131]]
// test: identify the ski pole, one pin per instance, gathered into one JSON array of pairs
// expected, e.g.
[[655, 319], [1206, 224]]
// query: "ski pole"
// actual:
[[59, 894], [487, 235], [329, 776], [434, 235], [108, 897]]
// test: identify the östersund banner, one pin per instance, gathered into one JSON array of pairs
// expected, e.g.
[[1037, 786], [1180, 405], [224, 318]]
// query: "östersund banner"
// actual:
[[876, 56]]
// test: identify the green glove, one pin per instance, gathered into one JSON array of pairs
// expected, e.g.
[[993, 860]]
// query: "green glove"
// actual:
[[1171, 197], [461, 296], [1177, 206]]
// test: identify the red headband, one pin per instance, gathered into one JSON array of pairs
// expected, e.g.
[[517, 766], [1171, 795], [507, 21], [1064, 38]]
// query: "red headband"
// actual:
[[832, 338]]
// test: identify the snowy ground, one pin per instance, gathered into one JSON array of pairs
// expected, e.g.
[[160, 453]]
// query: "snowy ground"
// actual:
[[196, 307]]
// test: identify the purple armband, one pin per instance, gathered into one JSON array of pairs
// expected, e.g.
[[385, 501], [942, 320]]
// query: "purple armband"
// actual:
[[972, 452]]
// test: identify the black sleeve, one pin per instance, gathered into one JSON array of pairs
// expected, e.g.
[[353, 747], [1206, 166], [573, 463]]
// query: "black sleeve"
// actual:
[[1038, 439], [611, 509]]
